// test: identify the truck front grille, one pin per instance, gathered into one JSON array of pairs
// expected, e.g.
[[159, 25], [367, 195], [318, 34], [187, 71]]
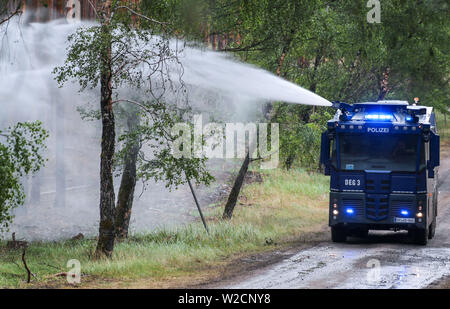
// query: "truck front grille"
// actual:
[[377, 207], [397, 206], [357, 205]]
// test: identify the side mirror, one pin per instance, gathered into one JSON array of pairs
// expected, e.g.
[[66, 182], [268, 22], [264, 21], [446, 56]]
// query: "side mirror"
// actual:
[[325, 153], [434, 160]]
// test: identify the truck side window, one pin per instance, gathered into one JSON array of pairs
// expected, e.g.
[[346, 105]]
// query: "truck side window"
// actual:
[[333, 154], [422, 162]]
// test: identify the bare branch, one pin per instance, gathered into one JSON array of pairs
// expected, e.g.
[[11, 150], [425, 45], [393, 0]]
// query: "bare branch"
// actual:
[[18, 11], [26, 266], [131, 102], [143, 16], [264, 157], [94, 8]]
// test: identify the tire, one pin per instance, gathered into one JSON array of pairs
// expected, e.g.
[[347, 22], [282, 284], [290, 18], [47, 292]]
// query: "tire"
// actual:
[[338, 234], [420, 237], [432, 229], [410, 233]]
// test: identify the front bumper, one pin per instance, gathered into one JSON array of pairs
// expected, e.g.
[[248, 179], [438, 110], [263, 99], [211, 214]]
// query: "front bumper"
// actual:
[[377, 212]]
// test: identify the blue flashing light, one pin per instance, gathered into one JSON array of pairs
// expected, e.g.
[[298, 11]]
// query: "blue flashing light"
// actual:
[[408, 118], [404, 212], [350, 211], [379, 117]]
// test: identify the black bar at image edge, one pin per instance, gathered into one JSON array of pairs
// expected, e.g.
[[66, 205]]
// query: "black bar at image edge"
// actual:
[[217, 297]]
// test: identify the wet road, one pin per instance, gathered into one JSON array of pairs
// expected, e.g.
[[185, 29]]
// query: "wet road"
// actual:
[[383, 260]]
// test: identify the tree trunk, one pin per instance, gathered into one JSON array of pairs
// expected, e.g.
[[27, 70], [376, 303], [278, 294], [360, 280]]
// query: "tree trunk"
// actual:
[[289, 161], [107, 197], [232, 198], [106, 235], [128, 183], [384, 89]]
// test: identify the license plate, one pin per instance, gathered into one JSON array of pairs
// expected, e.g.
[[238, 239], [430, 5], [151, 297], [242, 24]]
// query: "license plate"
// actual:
[[404, 220]]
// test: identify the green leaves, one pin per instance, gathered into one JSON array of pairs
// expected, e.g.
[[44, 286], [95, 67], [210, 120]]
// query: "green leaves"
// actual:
[[83, 58], [300, 134], [156, 160], [331, 49], [25, 141], [21, 149]]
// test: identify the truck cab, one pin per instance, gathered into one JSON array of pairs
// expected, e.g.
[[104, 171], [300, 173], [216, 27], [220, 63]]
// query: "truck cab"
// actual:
[[382, 158]]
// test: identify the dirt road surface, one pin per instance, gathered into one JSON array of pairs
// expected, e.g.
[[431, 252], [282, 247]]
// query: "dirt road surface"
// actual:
[[383, 260]]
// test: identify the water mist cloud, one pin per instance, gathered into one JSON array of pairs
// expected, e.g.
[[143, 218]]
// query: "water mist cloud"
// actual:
[[216, 84]]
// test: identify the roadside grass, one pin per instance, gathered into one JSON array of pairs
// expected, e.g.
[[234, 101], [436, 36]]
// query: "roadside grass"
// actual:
[[285, 207]]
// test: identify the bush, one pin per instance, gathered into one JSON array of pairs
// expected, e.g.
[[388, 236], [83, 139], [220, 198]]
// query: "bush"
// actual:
[[300, 131], [20, 148]]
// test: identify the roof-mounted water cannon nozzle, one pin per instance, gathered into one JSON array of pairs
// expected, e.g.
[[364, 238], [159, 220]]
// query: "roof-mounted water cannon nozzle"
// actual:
[[343, 106], [346, 109], [336, 104], [414, 112]]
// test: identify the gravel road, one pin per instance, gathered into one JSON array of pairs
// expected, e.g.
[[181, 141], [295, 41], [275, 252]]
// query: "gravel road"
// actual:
[[383, 260]]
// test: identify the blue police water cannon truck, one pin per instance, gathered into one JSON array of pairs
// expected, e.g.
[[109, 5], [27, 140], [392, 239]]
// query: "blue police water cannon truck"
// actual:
[[383, 159]]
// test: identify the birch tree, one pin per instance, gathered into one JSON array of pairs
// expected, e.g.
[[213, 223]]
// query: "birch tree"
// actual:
[[130, 59]]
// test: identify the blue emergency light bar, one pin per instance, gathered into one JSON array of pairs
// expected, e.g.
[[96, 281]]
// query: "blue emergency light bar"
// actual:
[[383, 111], [379, 117]]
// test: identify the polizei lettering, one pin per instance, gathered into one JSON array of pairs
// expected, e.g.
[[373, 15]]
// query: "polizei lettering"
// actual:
[[378, 130]]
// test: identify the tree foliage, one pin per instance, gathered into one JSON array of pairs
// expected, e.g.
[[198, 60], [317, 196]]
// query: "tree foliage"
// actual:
[[329, 48], [21, 149]]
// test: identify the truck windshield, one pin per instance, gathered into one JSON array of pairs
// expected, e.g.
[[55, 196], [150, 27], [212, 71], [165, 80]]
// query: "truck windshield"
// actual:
[[392, 152]]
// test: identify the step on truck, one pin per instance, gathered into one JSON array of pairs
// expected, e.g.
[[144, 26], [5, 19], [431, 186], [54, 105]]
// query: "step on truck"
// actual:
[[382, 158]]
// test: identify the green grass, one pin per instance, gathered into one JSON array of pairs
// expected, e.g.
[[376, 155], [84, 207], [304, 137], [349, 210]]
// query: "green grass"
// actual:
[[285, 207]]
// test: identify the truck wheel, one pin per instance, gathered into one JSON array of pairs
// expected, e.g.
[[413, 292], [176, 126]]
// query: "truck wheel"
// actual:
[[432, 230], [420, 237], [338, 234]]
